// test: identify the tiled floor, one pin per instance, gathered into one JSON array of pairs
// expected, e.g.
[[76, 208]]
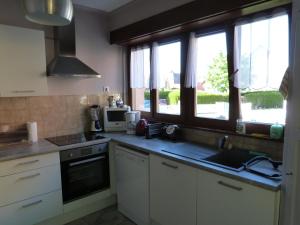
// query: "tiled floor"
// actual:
[[108, 216]]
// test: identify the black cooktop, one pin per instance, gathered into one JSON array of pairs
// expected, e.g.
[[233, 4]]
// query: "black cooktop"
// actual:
[[75, 138]]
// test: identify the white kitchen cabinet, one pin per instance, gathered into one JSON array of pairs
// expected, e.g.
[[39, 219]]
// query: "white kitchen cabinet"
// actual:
[[33, 210], [22, 62], [173, 192], [28, 163], [32, 187], [29, 184], [224, 201]]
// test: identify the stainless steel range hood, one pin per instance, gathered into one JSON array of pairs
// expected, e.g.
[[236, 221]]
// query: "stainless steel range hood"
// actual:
[[65, 63]]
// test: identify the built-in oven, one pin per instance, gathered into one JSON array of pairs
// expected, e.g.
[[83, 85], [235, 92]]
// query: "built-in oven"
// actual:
[[84, 171]]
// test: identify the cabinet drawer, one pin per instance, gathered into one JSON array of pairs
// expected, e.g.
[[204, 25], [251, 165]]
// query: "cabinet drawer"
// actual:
[[28, 163], [18, 187], [234, 202], [32, 211]]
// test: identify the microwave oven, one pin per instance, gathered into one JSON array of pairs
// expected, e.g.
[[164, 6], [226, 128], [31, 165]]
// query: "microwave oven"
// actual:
[[114, 118]]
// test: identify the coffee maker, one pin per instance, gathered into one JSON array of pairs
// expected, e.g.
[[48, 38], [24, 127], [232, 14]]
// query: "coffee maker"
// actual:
[[132, 119], [95, 123]]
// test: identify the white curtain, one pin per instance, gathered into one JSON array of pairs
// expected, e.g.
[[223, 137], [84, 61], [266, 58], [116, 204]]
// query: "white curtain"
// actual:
[[154, 77], [191, 67], [261, 52], [138, 68]]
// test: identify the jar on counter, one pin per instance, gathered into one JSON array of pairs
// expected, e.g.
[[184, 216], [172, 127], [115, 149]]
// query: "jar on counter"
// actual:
[[276, 131], [240, 126]]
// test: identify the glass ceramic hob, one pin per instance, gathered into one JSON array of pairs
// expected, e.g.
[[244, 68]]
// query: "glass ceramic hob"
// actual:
[[75, 138]]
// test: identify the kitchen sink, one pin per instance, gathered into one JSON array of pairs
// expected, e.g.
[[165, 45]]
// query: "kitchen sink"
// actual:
[[231, 159]]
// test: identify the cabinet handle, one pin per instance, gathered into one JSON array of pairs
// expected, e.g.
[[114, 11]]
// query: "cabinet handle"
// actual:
[[169, 165], [25, 91], [32, 204], [29, 177], [26, 163], [230, 186]]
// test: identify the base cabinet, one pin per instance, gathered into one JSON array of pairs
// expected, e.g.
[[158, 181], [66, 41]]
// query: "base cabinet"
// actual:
[[224, 201], [173, 192], [32, 211]]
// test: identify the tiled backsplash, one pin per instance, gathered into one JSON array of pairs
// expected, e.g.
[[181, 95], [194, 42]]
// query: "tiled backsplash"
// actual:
[[273, 148], [55, 115], [60, 115]]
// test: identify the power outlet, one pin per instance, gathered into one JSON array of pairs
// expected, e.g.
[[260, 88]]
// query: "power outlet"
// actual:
[[106, 89]]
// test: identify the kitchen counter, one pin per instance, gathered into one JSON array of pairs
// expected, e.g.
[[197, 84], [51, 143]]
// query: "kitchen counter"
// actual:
[[184, 152]]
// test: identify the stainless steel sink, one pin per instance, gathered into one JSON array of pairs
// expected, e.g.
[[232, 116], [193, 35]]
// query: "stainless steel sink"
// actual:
[[231, 159]]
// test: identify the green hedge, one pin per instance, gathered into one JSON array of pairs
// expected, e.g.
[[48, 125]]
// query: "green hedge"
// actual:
[[259, 99], [263, 99], [208, 98]]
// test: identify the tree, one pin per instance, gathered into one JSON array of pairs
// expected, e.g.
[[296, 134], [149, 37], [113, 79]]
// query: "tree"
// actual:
[[218, 74]]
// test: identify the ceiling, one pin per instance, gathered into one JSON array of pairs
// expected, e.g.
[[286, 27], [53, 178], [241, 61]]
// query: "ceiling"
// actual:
[[104, 5]]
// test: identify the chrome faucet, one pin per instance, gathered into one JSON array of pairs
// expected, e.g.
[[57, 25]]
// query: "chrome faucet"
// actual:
[[224, 143]]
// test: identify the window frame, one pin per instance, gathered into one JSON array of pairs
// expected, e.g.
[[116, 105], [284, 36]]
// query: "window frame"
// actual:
[[188, 96], [172, 118]]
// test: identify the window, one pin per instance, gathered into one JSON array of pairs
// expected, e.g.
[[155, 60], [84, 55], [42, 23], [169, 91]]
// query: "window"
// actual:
[[168, 78], [140, 78], [262, 52], [232, 71], [212, 86]]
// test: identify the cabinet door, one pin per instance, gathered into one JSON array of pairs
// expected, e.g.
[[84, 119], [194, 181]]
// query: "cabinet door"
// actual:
[[173, 192], [224, 201], [22, 62], [33, 210]]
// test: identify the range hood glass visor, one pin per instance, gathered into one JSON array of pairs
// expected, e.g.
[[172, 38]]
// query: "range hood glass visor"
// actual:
[[70, 66]]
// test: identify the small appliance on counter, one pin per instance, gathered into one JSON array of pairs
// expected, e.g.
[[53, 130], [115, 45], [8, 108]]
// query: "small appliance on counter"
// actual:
[[114, 118], [141, 127], [95, 123], [154, 130], [171, 131], [132, 119]]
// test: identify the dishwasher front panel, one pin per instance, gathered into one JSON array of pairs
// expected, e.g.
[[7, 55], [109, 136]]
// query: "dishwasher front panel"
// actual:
[[132, 176]]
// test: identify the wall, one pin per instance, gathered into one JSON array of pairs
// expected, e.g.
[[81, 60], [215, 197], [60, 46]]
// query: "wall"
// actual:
[[92, 40], [64, 111], [141, 9], [272, 148], [93, 48], [55, 115]]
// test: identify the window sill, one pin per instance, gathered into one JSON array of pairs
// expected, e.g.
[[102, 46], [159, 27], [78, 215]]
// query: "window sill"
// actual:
[[253, 135]]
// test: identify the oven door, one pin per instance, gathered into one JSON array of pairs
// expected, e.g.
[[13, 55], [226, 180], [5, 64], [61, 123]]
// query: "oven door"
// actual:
[[84, 176]]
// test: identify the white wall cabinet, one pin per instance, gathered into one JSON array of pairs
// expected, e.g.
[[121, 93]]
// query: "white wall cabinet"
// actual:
[[22, 62], [173, 192], [32, 190], [224, 201]]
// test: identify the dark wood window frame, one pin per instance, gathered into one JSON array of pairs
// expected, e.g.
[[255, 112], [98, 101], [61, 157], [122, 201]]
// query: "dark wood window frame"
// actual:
[[188, 97]]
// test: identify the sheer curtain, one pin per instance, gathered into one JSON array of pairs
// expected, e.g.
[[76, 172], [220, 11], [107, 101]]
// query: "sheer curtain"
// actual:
[[154, 77], [191, 67], [138, 68], [261, 52]]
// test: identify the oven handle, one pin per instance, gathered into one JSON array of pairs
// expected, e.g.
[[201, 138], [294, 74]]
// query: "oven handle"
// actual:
[[86, 161]]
